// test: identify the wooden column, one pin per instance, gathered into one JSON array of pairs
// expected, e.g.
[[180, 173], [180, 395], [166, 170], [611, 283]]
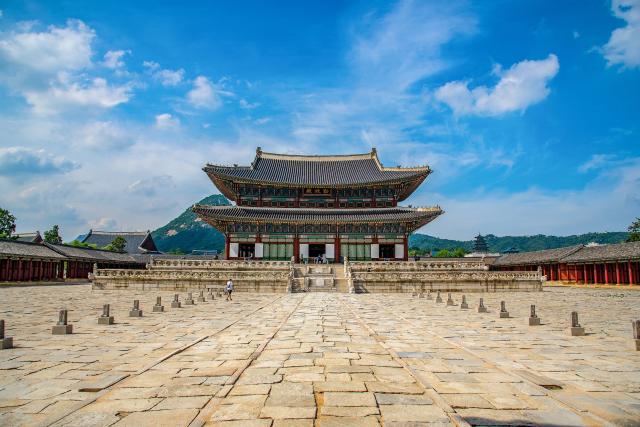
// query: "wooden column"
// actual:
[[586, 279], [296, 248], [336, 250], [595, 273], [226, 246], [630, 272], [606, 273], [406, 248], [617, 273]]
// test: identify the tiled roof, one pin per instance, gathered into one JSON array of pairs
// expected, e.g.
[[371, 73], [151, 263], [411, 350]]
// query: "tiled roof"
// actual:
[[15, 248], [138, 242], [613, 252], [347, 170], [536, 257], [33, 237], [94, 255], [318, 215]]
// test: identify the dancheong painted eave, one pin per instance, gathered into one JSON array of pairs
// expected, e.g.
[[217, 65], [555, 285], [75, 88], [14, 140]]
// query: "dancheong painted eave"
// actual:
[[219, 215], [335, 171]]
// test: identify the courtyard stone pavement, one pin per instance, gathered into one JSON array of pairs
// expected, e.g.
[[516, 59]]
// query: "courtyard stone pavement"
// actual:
[[322, 359]]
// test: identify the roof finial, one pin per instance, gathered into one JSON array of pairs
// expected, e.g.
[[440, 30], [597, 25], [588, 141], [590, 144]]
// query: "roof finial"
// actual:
[[374, 152], [259, 151]]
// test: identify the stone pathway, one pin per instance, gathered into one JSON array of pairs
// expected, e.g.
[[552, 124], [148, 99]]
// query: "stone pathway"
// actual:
[[319, 359]]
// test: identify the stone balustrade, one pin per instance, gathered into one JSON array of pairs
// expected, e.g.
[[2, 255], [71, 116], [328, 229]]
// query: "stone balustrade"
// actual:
[[256, 280], [449, 280], [418, 266], [191, 264]]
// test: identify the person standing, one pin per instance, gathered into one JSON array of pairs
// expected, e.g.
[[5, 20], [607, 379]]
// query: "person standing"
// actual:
[[229, 290]]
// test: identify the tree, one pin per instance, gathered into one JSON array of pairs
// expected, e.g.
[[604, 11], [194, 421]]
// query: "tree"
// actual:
[[7, 224], [53, 236], [176, 251], [634, 231], [78, 244], [117, 245]]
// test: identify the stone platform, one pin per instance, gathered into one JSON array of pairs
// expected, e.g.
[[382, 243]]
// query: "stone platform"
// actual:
[[323, 359], [460, 275]]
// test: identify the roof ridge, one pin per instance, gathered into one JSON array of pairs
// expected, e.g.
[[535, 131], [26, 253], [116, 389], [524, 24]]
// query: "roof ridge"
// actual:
[[120, 232], [272, 208]]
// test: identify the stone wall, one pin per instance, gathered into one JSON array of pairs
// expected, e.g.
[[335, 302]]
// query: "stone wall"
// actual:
[[444, 276], [260, 276]]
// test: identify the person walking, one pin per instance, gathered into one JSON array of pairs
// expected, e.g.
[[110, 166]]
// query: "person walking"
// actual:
[[229, 289]]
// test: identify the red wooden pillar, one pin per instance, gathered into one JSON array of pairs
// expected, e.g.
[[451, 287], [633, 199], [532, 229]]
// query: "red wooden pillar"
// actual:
[[595, 273], [226, 246], [584, 268], [606, 273], [296, 248], [617, 273], [336, 251], [406, 248], [630, 272]]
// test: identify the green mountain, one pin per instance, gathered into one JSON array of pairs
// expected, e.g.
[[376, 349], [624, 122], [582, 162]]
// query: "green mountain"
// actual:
[[521, 243], [187, 233]]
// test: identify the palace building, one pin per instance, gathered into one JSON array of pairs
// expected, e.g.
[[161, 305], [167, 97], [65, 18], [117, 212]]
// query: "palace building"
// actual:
[[308, 206]]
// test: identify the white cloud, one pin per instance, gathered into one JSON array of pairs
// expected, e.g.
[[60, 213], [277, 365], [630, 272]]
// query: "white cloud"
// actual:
[[58, 48], [596, 161], [404, 45], [103, 224], [623, 47], [536, 211], [522, 85], [104, 135], [151, 186], [97, 93], [113, 59], [167, 121], [165, 76], [203, 94], [248, 105], [20, 161]]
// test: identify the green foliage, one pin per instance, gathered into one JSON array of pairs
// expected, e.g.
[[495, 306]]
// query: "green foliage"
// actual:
[[118, 244], [522, 243], [7, 224], [634, 231], [189, 233], [455, 253], [53, 236], [78, 244]]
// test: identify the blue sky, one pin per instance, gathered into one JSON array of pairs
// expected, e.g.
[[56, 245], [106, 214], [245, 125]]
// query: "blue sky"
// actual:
[[527, 111]]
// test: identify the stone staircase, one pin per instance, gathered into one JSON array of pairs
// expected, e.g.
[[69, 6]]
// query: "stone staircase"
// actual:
[[318, 278]]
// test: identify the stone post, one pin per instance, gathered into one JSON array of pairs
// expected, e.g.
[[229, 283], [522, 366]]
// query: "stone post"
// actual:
[[201, 297], [135, 311], [62, 328], [438, 297], [576, 329], [450, 300], [463, 304], [534, 320], [189, 300], [429, 297], [105, 318], [176, 301], [504, 314], [158, 307], [5, 342], [636, 333], [481, 307]]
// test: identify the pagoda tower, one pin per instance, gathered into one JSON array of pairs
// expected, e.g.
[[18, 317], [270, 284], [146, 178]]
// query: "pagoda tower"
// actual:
[[308, 206]]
